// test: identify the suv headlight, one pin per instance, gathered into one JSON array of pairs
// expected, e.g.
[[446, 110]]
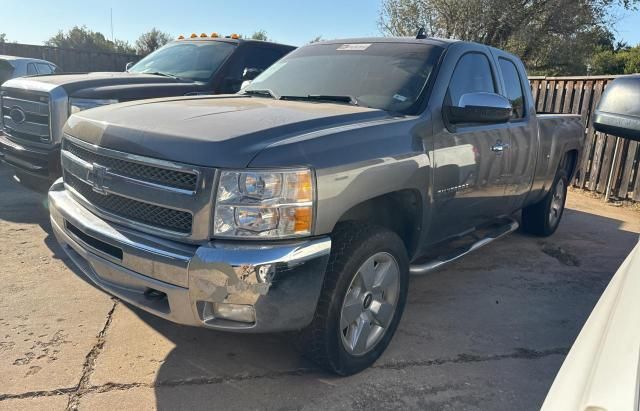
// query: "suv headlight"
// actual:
[[78, 104], [264, 204]]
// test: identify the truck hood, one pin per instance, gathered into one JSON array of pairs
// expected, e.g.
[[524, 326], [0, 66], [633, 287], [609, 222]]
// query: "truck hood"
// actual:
[[122, 86], [221, 131]]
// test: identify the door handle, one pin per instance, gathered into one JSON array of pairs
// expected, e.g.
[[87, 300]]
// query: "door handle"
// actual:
[[499, 147]]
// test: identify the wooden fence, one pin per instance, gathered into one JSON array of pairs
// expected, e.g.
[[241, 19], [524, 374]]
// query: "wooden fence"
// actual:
[[71, 60], [607, 161]]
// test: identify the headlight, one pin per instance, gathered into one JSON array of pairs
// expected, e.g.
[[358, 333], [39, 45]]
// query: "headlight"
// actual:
[[264, 204], [78, 104]]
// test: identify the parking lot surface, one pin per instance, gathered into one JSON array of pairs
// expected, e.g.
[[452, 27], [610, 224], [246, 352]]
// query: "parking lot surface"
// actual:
[[487, 332]]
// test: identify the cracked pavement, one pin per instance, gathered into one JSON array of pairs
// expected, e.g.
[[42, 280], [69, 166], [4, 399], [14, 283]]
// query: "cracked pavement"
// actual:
[[487, 332]]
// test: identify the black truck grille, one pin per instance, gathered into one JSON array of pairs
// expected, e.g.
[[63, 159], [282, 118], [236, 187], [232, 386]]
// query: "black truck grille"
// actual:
[[145, 213], [157, 175]]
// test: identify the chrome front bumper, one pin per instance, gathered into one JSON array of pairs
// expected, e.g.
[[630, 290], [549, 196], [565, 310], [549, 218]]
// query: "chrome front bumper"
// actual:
[[188, 284]]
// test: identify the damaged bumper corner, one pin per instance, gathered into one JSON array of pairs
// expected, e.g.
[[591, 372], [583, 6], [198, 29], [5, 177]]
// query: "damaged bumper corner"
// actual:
[[236, 286]]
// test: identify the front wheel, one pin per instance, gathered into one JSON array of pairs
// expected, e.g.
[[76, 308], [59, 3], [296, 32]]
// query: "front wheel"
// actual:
[[362, 299], [543, 218]]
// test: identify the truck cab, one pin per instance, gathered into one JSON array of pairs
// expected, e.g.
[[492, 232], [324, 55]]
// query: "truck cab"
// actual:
[[33, 110]]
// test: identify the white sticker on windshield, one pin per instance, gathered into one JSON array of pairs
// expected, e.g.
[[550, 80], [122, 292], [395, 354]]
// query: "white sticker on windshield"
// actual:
[[354, 47], [400, 97]]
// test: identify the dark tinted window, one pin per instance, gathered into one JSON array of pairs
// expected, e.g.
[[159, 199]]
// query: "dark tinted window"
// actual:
[[472, 74], [388, 76], [44, 68], [196, 60], [513, 87], [262, 57], [248, 57], [6, 71], [31, 69]]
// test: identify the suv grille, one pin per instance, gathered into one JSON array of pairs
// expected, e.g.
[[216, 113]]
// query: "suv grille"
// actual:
[[160, 217], [31, 122], [157, 175]]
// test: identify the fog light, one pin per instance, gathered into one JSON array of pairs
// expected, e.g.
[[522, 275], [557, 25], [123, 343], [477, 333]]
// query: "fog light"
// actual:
[[234, 312]]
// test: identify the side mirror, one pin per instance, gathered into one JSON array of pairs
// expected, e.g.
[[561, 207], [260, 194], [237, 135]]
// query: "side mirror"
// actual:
[[129, 65], [618, 112], [480, 108], [250, 73]]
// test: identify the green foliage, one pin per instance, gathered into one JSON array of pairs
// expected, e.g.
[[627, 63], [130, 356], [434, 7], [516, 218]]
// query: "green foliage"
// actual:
[[624, 60], [151, 41], [83, 38], [551, 36], [260, 35], [3, 38]]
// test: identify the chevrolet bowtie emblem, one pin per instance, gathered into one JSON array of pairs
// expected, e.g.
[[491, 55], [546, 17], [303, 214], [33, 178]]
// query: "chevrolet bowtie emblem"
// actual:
[[96, 177]]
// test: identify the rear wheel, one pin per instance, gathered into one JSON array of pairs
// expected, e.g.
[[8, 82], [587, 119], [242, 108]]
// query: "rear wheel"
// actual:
[[543, 218], [362, 300]]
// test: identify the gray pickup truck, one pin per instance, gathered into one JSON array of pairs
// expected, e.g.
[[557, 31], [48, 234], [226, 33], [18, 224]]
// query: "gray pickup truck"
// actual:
[[305, 201]]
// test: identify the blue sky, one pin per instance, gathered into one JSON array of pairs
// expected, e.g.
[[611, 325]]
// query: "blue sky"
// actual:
[[292, 22]]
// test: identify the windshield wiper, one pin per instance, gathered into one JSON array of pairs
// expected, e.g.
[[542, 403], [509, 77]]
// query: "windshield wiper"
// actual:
[[262, 92], [159, 73], [325, 97]]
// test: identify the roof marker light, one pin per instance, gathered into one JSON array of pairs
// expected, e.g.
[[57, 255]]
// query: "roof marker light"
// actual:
[[181, 37], [203, 35], [235, 36], [214, 35], [193, 35]]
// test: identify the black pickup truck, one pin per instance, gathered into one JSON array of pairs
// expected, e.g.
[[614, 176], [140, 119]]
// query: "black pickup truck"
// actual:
[[34, 109]]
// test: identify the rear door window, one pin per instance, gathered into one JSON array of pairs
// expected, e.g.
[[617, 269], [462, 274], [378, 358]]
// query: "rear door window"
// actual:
[[513, 87], [44, 68]]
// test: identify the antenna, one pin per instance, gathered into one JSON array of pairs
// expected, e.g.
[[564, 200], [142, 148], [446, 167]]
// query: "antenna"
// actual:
[[112, 38], [422, 33]]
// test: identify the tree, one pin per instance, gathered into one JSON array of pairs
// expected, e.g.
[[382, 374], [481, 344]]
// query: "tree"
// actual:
[[151, 41], [260, 35], [3, 38], [622, 60], [83, 38], [551, 36]]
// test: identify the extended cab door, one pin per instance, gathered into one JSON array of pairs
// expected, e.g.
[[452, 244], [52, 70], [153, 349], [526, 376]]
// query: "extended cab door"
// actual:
[[470, 165], [522, 128]]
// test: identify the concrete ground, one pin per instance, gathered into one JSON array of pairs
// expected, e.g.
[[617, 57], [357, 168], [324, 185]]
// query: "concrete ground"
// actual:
[[487, 332]]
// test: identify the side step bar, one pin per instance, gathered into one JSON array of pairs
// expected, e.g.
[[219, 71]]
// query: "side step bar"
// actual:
[[507, 227]]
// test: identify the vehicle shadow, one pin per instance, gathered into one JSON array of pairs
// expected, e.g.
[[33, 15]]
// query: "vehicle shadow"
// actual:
[[24, 206]]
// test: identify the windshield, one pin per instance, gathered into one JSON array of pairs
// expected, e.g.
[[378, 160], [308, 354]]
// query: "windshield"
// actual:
[[388, 76], [195, 60]]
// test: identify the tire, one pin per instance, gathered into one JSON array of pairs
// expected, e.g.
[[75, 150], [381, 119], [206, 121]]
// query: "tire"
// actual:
[[542, 219], [362, 256]]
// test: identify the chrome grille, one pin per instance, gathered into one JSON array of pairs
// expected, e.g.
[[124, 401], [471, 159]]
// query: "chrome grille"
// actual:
[[161, 197], [156, 175], [31, 119], [160, 217]]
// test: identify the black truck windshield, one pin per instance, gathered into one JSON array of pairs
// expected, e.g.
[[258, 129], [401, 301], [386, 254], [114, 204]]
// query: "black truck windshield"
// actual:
[[388, 76], [193, 60]]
